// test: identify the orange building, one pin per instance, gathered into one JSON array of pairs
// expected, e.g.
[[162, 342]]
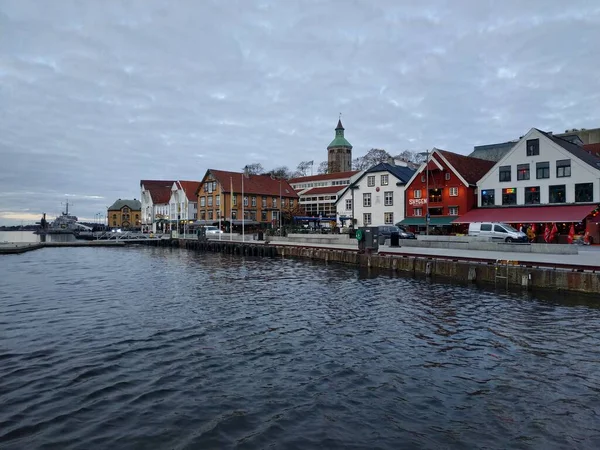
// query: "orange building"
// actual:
[[264, 200]]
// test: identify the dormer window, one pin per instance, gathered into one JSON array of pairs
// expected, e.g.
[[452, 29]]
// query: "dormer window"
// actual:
[[533, 147]]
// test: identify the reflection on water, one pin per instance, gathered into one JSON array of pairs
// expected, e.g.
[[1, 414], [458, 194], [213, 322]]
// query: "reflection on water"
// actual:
[[165, 348]]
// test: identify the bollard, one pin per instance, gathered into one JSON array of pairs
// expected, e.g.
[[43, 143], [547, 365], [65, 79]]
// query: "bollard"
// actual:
[[428, 269], [472, 275]]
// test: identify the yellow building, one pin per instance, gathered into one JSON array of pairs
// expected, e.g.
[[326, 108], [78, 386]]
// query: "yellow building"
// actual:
[[125, 214], [265, 200]]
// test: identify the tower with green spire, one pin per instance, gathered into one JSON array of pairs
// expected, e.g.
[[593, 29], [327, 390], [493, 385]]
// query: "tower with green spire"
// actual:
[[339, 152]]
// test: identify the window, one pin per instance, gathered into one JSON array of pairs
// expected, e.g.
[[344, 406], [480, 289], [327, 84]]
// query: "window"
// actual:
[[447, 176], [218, 200], [291, 202], [486, 227], [210, 201], [275, 215], [245, 201], [367, 219], [371, 180], [214, 185], [509, 196], [533, 147], [349, 204], [274, 202], [523, 172], [367, 199], [388, 218], [202, 215], [253, 201], [499, 229], [264, 202], [203, 201], [542, 170], [563, 168], [114, 217], [487, 197], [453, 210], [234, 214], [263, 216], [388, 197], [504, 173], [453, 192], [532, 195], [114, 223], [417, 193], [385, 180], [234, 198], [557, 194], [584, 192], [126, 210], [418, 212], [210, 215], [435, 195], [423, 178]]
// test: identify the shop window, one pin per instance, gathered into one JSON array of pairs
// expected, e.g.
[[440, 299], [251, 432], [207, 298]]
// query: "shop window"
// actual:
[[487, 197], [584, 192], [509, 196], [557, 194], [532, 195]]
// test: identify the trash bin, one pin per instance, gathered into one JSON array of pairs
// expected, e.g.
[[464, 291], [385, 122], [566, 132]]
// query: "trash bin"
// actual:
[[395, 239]]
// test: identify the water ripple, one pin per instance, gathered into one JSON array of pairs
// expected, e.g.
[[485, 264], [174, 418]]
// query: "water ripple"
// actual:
[[164, 348]]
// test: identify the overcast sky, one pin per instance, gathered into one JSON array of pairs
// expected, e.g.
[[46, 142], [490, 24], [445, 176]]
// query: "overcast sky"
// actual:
[[96, 95]]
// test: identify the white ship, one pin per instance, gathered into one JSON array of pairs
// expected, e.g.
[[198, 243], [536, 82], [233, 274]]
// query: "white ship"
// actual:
[[63, 224]]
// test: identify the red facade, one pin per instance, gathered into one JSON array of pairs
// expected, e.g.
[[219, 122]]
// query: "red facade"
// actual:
[[452, 182]]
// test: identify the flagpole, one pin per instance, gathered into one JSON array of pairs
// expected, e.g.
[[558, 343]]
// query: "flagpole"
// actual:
[[231, 209], [220, 202], [243, 213]]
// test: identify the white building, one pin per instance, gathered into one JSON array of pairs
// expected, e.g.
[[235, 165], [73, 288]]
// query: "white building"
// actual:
[[183, 203], [376, 197], [319, 193], [155, 195], [540, 170]]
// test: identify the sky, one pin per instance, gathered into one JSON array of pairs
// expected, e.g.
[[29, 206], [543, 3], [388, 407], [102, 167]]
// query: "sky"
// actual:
[[97, 95]]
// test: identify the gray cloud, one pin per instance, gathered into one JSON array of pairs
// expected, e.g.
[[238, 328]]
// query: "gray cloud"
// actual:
[[95, 96]]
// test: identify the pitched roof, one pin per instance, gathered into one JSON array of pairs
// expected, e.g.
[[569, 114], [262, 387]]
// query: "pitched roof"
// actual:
[[324, 190], [134, 205], [253, 184], [403, 173], [594, 149], [325, 176], [575, 150], [190, 188], [471, 169], [160, 190]]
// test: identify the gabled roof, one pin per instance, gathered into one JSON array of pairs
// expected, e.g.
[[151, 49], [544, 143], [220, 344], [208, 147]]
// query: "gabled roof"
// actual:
[[403, 173], [324, 190], [471, 169], [253, 184], [190, 188], [160, 190], [325, 176], [575, 150], [134, 205]]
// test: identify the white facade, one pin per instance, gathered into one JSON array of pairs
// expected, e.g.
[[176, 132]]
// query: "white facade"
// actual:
[[561, 176], [378, 199], [147, 209], [180, 207]]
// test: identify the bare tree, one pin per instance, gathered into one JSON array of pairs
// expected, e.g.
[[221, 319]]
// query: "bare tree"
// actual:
[[323, 168], [303, 168], [254, 169], [280, 172], [372, 158]]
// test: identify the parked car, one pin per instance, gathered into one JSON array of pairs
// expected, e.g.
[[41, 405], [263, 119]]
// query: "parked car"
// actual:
[[497, 231], [387, 230], [212, 229]]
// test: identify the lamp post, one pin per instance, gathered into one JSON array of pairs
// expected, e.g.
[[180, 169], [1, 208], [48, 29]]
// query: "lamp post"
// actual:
[[427, 217], [280, 209]]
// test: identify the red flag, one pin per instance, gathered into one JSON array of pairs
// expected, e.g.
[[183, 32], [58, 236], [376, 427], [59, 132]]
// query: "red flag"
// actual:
[[571, 234], [547, 233], [553, 233], [533, 228]]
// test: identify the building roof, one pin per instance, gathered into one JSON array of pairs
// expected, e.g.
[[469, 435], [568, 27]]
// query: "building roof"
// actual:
[[471, 169], [325, 176], [594, 149], [575, 150], [324, 190], [339, 140], [190, 188], [134, 205], [160, 190], [492, 152], [403, 173], [253, 184]]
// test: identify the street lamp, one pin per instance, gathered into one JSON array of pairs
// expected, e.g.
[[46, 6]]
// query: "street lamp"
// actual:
[[353, 187]]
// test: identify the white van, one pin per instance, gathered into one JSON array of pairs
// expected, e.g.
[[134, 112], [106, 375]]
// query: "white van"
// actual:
[[497, 231]]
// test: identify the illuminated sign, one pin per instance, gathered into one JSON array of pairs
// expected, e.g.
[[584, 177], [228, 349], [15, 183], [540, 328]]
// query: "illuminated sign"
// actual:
[[417, 201], [509, 191]]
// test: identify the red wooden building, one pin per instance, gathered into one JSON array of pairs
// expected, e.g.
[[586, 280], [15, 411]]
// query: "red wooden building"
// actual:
[[446, 188]]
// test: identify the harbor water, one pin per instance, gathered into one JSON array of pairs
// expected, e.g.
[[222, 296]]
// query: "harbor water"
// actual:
[[145, 347]]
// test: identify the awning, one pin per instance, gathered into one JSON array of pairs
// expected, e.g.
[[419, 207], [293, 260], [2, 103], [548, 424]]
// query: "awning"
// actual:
[[532, 214], [434, 221]]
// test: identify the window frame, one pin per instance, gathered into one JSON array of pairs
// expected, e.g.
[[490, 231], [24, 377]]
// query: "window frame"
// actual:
[[526, 169], [370, 180], [529, 192], [453, 191], [544, 167], [365, 221], [391, 198], [532, 147], [503, 170], [385, 180], [563, 164], [367, 199], [388, 218]]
